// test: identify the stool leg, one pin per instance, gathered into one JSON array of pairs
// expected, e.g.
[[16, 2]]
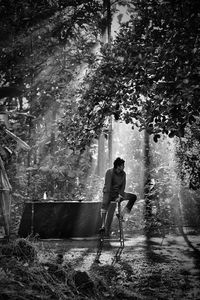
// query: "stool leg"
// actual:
[[121, 232], [100, 246], [121, 235]]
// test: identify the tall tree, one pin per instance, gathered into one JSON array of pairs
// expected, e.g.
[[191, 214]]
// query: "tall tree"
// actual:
[[149, 75], [46, 44], [155, 56]]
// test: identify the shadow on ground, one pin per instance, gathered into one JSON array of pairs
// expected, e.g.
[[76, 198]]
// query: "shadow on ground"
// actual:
[[152, 269]]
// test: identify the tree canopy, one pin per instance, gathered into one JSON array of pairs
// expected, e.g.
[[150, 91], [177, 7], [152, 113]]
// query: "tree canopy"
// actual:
[[43, 45], [149, 75]]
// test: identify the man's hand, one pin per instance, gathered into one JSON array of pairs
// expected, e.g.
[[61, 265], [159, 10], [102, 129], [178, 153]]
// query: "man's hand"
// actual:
[[119, 198]]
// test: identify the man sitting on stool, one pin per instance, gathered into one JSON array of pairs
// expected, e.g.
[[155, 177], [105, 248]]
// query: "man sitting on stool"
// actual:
[[113, 190]]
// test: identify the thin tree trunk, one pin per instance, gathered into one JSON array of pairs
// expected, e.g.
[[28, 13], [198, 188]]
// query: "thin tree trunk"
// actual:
[[102, 161], [101, 164], [110, 143], [147, 184]]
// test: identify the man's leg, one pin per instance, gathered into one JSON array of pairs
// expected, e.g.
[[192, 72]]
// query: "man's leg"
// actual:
[[103, 218], [104, 211], [131, 200]]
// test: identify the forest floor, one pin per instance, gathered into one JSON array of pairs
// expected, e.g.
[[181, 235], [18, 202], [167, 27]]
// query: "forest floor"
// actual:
[[66, 269]]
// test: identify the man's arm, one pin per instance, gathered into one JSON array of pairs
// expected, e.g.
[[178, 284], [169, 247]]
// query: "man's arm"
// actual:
[[108, 181], [122, 189]]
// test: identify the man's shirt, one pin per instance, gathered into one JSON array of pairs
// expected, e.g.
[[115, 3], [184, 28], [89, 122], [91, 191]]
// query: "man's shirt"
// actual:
[[114, 184]]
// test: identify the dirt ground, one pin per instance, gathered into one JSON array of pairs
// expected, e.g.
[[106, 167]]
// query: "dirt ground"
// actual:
[[157, 269]]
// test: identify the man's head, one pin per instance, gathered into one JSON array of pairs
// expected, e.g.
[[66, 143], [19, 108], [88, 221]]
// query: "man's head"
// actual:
[[119, 164]]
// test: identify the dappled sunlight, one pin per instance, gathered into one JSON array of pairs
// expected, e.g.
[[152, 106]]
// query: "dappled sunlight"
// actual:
[[128, 144], [93, 183]]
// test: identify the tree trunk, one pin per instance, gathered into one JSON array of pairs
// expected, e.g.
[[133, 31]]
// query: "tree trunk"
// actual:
[[110, 132], [102, 160], [101, 164], [147, 184], [110, 143]]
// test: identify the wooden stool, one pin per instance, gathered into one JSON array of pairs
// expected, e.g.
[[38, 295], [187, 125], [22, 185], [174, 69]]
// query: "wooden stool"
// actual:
[[121, 238]]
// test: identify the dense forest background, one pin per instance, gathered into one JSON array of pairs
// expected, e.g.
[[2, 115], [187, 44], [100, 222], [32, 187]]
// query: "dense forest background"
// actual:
[[63, 84]]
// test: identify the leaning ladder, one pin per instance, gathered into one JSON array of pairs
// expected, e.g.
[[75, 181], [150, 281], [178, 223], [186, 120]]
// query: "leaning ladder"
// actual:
[[121, 238]]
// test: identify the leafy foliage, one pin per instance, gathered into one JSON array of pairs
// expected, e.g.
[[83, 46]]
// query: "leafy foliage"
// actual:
[[22, 14], [149, 75], [188, 156], [46, 44], [42, 56]]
